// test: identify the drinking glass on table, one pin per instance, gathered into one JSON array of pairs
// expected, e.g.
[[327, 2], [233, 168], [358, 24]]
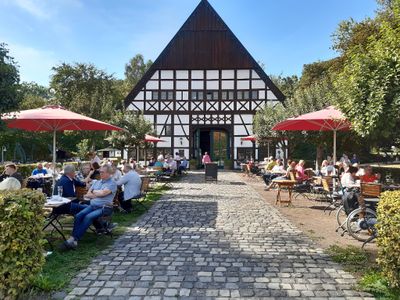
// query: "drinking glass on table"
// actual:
[[60, 191]]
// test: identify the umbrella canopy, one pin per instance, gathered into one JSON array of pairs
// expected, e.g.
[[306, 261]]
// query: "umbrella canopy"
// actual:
[[328, 119], [152, 139], [251, 138], [53, 118]]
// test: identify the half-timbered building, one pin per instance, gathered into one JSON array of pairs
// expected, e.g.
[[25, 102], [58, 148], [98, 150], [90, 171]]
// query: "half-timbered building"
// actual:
[[203, 90]]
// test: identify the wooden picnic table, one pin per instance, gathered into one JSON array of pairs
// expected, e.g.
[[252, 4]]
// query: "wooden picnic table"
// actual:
[[284, 184]]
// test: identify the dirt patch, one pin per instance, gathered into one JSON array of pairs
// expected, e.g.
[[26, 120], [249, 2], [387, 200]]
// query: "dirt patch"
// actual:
[[309, 216]]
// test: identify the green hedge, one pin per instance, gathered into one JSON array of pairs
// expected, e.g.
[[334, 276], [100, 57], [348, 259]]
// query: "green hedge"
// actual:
[[21, 240], [389, 236]]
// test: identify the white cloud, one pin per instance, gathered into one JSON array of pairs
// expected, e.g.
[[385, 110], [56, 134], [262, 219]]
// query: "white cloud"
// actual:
[[35, 65], [33, 7]]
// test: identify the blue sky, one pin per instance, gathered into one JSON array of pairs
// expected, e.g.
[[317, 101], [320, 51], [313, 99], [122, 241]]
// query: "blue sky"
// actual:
[[283, 34]]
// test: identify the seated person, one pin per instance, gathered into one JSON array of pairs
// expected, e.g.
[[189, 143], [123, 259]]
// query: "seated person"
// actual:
[[276, 171], [10, 184], [10, 170], [291, 169], [131, 183], [268, 167], [68, 182], [116, 173], [83, 173], [172, 166], [348, 179], [102, 194], [326, 168], [369, 176], [94, 173], [49, 169], [152, 162], [39, 170], [183, 165], [300, 175]]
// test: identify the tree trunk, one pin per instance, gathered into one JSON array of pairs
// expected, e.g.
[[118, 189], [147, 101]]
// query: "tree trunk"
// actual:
[[320, 156]]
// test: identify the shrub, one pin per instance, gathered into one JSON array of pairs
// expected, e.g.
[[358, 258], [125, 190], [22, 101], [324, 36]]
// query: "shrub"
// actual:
[[21, 240], [389, 236]]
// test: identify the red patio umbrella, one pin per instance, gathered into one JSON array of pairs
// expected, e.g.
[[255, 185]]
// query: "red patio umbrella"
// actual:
[[328, 119], [251, 138], [152, 139], [53, 118]]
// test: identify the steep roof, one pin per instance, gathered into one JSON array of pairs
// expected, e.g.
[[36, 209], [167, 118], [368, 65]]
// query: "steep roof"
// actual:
[[204, 42]]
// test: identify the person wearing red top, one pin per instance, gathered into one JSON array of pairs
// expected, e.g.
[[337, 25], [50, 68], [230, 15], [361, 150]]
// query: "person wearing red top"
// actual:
[[369, 176]]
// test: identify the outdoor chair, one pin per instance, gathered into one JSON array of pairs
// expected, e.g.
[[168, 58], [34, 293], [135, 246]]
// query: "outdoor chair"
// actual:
[[143, 192], [103, 225], [301, 188], [333, 197]]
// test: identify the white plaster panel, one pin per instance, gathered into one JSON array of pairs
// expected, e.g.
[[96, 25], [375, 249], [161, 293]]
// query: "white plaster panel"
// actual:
[[182, 74], [148, 95], [155, 75], [185, 96], [167, 74], [140, 105], [131, 107], [238, 143], [248, 119], [228, 84], [243, 74], [228, 74], [197, 85], [162, 118], [149, 118], [184, 119], [159, 129], [167, 85], [261, 95], [178, 96], [166, 143], [182, 85], [257, 84], [152, 85], [240, 130], [197, 74], [254, 74], [212, 74], [243, 84], [271, 96], [140, 96], [213, 85], [178, 140]]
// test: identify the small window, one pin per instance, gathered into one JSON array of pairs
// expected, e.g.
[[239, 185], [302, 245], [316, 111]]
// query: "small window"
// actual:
[[240, 95], [168, 130], [254, 95], [224, 95], [246, 95], [170, 95], [154, 95], [231, 95], [163, 95], [197, 95]]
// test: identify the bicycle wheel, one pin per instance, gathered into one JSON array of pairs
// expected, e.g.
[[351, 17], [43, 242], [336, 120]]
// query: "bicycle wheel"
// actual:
[[341, 218], [361, 228]]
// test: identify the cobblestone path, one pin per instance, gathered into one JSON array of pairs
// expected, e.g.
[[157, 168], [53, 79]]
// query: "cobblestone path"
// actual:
[[207, 241]]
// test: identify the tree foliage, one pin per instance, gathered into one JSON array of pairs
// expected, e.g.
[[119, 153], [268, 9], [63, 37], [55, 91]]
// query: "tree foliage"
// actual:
[[135, 128], [85, 89], [33, 95], [368, 88], [134, 71], [9, 80]]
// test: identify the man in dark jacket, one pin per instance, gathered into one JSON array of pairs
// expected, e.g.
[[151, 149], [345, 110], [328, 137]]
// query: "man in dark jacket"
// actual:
[[68, 182]]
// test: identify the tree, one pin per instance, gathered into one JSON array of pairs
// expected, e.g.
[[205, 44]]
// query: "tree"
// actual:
[[9, 80], [368, 89], [134, 71], [87, 90], [135, 128], [33, 95]]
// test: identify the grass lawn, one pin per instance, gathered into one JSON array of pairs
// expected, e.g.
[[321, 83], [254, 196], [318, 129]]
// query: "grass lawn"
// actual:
[[62, 266], [357, 261]]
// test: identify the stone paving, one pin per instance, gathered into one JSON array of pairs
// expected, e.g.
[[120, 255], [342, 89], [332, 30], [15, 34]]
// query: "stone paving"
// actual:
[[208, 241]]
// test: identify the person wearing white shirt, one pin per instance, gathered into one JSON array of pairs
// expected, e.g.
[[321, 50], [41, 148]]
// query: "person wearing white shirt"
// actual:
[[131, 183], [116, 173], [348, 179]]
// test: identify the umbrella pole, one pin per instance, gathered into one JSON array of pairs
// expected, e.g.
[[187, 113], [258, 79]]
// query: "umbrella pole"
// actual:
[[334, 147], [54, 158]]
